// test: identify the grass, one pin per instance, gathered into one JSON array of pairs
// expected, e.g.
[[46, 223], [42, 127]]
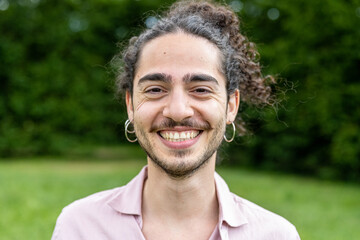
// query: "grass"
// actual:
[[33, 192]]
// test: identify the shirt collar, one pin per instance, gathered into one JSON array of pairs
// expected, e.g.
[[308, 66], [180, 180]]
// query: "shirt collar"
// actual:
[[229, 210], [129, 200]]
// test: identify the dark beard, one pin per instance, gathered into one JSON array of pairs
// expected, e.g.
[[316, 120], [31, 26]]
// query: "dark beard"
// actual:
[[184, 170]]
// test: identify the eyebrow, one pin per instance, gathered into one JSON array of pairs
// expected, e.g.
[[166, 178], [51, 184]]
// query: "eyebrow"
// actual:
[[162, 77], [199, 77]]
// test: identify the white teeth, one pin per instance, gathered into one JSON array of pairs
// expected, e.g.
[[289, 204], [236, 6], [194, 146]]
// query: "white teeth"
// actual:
[[176, 136], [179, 136], [182, 135]]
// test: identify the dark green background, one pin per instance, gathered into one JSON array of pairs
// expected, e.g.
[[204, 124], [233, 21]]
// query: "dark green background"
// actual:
[[56, 84]]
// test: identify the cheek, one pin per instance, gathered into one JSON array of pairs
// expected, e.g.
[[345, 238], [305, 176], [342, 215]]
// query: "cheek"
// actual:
[[146, 111], [212, 110], [138, 104]]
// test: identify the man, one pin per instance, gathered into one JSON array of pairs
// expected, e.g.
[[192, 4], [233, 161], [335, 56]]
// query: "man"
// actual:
[[183, 80]]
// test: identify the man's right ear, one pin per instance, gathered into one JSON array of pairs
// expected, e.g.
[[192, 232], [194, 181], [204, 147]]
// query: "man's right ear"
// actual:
[[129, 105]]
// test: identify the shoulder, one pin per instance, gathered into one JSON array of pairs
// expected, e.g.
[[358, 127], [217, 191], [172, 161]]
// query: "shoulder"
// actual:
[[101, 215], [250, 221], [92, 203], [255, 212], [84, 214], [265, 223]]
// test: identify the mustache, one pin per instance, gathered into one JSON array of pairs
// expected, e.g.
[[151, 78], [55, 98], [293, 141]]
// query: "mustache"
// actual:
[[169, 123]]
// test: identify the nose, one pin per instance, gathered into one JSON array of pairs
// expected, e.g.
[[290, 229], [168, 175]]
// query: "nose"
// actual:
[[178, 106]]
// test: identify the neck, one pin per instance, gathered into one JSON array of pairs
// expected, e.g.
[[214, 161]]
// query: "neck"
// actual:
[[181, 199]]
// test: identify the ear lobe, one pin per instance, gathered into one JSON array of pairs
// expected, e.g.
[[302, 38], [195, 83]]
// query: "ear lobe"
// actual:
[[129, 105], [233, 106]]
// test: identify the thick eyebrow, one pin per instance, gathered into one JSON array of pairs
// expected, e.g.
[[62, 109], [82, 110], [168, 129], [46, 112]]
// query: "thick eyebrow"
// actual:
[[199, 77], [162, 77]]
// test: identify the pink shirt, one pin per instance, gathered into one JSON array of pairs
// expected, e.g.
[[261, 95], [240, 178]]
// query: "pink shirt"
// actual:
[[116, 214]]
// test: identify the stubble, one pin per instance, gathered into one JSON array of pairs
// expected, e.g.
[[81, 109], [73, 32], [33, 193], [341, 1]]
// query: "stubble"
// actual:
[[181, 163]]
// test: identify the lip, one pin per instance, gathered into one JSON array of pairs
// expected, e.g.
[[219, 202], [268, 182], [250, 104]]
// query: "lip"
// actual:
[[181, 144]]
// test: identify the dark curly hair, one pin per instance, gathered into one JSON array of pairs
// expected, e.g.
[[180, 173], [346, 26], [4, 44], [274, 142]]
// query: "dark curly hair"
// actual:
[[218, 24]]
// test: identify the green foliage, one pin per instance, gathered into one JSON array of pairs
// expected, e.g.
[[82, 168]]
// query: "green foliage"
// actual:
[[56, 91], [314, 47]]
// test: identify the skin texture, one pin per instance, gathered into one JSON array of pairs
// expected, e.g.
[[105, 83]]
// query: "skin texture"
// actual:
[[162, 104], [178, 88]]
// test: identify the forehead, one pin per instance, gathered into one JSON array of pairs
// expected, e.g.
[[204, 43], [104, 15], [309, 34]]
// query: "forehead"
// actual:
[[179, 54]]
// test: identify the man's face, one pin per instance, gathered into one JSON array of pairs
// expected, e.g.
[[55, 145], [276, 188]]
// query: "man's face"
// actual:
[[179, 104]]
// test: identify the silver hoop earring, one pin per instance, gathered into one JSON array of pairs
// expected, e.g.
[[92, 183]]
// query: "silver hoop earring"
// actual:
[[127, 123], [233, 135]]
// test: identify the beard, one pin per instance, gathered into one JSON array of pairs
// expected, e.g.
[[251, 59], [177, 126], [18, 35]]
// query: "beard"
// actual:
[[183, 163]]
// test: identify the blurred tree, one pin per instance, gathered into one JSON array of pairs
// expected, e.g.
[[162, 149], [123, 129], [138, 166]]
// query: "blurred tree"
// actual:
[[313, 46], [56, 91]]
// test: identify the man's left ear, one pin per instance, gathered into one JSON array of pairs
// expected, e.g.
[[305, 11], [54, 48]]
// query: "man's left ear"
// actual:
[[233, 106]]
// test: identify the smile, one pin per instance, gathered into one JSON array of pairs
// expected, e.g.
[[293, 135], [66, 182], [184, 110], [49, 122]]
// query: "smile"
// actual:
[[175, 136]]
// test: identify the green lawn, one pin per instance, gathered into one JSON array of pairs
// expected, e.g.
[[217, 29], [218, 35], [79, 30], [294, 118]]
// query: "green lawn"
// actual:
[[34, 191]]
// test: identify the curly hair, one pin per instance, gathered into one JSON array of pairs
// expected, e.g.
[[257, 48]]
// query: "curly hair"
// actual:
[[218, 24]]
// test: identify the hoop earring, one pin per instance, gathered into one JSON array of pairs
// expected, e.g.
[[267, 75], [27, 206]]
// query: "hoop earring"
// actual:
[[233, 135], [127, 123]]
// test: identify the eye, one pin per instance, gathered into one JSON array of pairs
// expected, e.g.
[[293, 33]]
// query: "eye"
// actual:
[[154, 90], [201, 90]]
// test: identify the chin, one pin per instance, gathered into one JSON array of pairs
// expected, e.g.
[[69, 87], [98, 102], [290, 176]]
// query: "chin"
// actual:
[[180, 166]]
